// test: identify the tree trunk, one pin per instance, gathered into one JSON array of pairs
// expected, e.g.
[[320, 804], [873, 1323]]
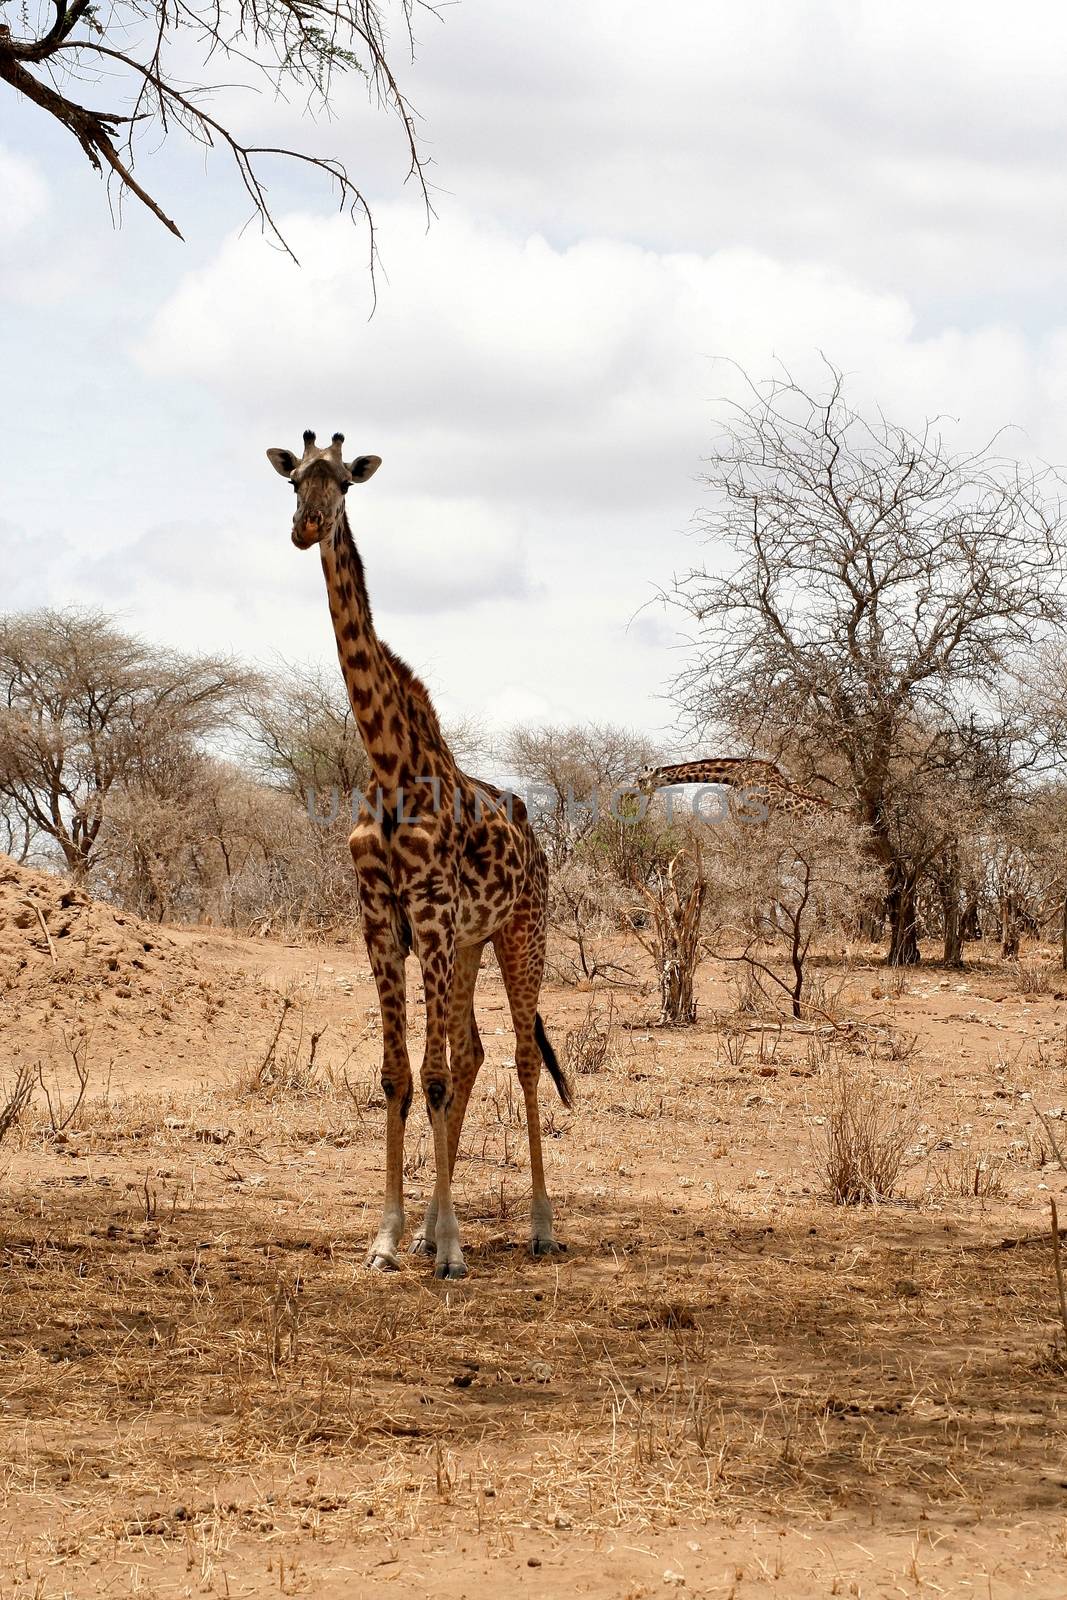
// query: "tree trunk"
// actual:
[[970, 923], [678, 1007], [953, 933], [1063, 936], [903, 919], [674, 938], [948, 889], [1010, 930]]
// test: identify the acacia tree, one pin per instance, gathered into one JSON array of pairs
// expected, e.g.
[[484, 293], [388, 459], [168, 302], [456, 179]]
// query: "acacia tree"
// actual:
[[572, 772], [884, 590], [86, 709], [160, 64]]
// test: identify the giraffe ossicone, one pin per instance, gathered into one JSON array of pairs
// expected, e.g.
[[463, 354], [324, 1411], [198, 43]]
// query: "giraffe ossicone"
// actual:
[[460, 875]]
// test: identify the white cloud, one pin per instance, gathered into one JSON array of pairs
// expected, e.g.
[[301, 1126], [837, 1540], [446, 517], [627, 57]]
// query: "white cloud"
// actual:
[[621, 204], [542, 412], [23, 192]]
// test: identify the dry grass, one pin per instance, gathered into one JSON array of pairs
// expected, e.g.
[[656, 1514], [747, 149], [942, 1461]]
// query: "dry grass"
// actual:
[[200, 1383], [1039, 977], [869, 1125], [586, 1044], [14, 1100], [972, 1174]]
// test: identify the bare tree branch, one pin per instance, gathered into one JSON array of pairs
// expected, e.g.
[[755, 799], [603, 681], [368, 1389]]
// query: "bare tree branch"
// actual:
[[306, 46]]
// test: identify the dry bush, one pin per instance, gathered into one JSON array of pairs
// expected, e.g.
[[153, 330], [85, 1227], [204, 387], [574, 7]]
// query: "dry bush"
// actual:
[[868, 1130], [586, 906], [1034, 977], [586, 1046], [750, 1000], [291, 1067], [675, 894], [825, 996], [64, 1106], [216, 844], [779, 889], [14, 1101], [972, 1174]]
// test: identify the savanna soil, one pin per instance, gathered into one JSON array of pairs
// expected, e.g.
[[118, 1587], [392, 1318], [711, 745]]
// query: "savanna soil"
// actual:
[[727, 1386]]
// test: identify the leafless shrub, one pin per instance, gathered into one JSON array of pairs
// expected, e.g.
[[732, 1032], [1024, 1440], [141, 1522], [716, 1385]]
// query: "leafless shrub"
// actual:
[[586, 1046], [586, 909], [13, 1102], [900, 1046], [750, 1000], [292, 1067], [1055, 1146], [1037, 978], [675, 898], [733, 1044], [64, 1106], [972, 1174], [868, 1130]]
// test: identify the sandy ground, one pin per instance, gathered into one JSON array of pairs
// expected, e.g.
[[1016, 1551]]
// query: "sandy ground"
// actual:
[[727, 1386]]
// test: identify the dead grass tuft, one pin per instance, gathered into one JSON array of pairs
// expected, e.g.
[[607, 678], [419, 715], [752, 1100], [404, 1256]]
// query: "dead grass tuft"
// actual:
[[586, 1045], [869, 1126], [17, 1098]]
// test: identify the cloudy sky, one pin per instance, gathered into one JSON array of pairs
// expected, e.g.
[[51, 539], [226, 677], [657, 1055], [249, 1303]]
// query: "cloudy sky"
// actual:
[[628, 200]]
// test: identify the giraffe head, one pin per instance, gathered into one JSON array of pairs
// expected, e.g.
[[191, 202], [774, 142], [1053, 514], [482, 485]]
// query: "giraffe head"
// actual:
[[321, 480], [645, 781]]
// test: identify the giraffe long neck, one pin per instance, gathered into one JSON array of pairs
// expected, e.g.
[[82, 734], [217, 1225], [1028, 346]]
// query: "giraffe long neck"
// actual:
[[742, 772], [732, 770], [371, 672]]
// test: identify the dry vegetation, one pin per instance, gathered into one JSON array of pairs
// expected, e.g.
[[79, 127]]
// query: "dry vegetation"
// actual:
[[727, 1377]]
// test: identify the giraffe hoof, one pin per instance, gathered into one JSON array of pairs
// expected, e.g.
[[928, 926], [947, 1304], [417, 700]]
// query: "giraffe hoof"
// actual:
[[451, 1269], [379, 1262], [421, 1246], [546, 1247]]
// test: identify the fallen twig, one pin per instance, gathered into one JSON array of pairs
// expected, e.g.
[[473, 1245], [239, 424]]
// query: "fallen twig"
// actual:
[[44, 929]]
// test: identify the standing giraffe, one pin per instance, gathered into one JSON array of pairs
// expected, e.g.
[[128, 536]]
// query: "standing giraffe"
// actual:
[[444, 864], [749, 775]]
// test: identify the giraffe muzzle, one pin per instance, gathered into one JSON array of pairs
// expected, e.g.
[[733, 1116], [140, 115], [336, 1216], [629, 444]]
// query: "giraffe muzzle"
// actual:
[[307, 533]]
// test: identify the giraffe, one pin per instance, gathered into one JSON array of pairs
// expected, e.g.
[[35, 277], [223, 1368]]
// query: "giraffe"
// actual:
[[748, 775], [444, 864]]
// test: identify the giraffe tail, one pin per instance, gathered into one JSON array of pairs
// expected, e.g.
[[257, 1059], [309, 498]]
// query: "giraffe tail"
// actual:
[[548, 1056]]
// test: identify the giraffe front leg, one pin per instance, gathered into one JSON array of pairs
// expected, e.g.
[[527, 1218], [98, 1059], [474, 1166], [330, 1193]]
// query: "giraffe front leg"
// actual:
[[436, 952], [387, 963], [397, 1088]]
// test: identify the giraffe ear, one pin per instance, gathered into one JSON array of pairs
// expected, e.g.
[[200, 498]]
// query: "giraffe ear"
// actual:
[[364, 467], [282, 461]]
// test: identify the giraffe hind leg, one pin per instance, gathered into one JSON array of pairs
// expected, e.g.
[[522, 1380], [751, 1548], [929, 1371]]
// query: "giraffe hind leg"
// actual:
[[520, 948]]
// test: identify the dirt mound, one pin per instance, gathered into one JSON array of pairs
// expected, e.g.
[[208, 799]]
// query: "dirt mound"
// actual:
[[68, 962], [47, 922]]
